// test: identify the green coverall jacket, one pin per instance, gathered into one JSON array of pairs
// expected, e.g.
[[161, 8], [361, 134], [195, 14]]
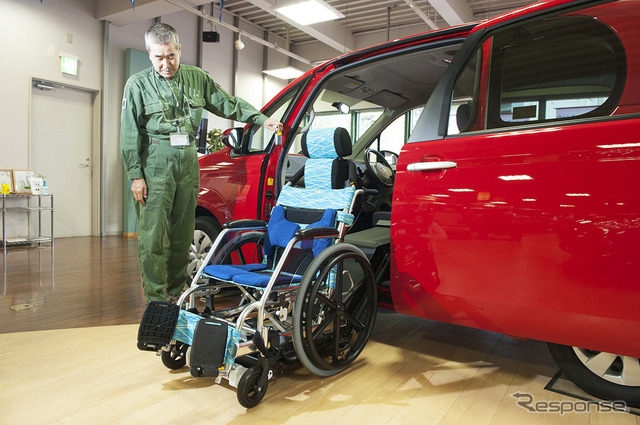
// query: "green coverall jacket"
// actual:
[[153, 108]]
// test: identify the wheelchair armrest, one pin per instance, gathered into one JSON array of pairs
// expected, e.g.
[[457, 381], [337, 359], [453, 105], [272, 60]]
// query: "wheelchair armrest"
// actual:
[[242, 223], [316, 232]]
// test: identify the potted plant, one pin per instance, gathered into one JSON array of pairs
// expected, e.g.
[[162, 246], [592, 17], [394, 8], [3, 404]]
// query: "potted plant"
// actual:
[[214, 140]]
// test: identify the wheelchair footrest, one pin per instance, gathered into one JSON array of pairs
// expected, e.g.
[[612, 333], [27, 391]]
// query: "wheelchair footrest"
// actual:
[[208, 348], [157, 325]]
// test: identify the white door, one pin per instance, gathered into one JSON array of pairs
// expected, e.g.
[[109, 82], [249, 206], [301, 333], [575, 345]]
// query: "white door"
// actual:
[[61, 150]]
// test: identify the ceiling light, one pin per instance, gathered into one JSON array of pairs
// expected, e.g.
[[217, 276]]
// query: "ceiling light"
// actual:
[[286, 73], [308, 12]]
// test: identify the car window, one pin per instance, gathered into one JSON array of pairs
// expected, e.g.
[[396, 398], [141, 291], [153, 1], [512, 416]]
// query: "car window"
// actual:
[[366, 120], [542, 71], [333, 120], [377, 91], [395, 135], [581, 59], [356, 119], [465, 96], [259, 137]]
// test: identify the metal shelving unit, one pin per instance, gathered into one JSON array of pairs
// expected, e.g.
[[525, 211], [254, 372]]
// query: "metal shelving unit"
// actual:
[[31, 208]]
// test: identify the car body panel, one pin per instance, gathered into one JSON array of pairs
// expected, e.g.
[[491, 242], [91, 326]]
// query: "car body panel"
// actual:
[[228, 184], [535, 232], [546, 258]]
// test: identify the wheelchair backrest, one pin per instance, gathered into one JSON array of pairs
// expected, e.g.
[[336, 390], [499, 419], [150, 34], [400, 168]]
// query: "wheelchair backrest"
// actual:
[[326, 198]]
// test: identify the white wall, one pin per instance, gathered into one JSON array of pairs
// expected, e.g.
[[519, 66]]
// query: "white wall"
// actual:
[[33, 36], [250, 66], [131, 36], [317, 51], [217, 60], [372, 39]]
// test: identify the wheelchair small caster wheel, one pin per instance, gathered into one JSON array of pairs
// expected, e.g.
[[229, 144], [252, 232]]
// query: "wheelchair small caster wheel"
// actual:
[[176, 357], [250, 394]]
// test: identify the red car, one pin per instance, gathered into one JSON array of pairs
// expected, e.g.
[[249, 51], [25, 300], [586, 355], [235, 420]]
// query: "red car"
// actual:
[[503, 162]]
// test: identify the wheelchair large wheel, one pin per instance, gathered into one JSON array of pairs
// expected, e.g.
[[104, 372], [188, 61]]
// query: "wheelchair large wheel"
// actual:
[[335, 310]]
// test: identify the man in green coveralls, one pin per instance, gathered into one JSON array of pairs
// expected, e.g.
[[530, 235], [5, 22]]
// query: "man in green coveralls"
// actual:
[[161, 111]]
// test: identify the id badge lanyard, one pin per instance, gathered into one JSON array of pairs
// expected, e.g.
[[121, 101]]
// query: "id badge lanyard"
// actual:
[[172, 112]]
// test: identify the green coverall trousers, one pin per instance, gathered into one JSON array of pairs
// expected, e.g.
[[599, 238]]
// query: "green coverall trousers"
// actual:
[[167, 219]]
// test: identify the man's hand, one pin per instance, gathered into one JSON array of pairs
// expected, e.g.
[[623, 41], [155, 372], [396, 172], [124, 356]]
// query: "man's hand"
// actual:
[[139, 190], [273, 125]]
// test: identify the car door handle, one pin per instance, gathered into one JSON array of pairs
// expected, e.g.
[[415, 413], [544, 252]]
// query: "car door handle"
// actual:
[[431, 166]]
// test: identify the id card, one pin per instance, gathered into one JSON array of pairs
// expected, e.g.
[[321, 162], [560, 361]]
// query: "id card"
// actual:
[[179, 139]]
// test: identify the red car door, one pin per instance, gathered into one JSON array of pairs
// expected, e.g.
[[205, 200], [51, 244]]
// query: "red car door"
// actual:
[[524, 216]]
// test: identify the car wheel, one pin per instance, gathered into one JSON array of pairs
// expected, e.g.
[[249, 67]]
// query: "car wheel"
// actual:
[[605, 375], [205, 233]]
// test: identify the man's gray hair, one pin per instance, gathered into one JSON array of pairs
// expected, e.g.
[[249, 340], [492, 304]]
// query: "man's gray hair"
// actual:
[[161, 34]]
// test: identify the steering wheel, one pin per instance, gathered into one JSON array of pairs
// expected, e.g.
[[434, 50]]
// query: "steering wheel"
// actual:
[[381, 171]]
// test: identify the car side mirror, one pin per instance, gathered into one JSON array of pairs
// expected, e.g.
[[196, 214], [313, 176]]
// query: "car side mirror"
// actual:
[[232, 138]]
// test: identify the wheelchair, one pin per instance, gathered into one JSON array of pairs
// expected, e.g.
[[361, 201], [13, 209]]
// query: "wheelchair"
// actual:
[[298, 291]]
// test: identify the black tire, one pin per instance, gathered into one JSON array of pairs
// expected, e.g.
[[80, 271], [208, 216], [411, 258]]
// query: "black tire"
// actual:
[[332, 327], [250, 394], [205, 233], [176, 357], [604, 375]]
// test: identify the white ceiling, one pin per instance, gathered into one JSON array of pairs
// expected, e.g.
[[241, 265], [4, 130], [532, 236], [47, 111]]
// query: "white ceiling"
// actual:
[[361, 16]]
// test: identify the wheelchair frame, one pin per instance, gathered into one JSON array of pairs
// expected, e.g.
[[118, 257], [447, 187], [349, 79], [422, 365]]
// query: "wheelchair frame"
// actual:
[[271, 344]]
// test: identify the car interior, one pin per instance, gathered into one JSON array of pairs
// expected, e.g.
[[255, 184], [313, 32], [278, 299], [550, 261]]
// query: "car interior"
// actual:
[[378, 103]]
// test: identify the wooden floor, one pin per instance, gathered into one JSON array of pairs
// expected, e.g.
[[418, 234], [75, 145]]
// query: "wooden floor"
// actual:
[[72, 359]]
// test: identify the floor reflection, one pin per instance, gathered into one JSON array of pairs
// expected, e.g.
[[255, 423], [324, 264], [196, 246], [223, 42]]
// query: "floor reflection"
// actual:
[[84, 281]]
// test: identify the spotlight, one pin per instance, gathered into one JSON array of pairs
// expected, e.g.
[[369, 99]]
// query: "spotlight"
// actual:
[[238, 43]]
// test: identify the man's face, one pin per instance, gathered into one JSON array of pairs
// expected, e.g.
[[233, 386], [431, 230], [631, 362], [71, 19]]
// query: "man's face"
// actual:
[[165, 59]]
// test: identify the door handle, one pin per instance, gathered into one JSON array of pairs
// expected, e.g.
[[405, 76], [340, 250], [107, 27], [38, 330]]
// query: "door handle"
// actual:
[[431, 166]]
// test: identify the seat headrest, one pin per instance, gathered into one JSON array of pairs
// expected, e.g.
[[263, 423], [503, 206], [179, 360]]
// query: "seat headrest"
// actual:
[[326, 143], [463, 117]]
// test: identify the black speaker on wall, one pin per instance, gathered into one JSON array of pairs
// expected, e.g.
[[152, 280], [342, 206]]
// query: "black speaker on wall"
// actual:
[[210, 36]]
